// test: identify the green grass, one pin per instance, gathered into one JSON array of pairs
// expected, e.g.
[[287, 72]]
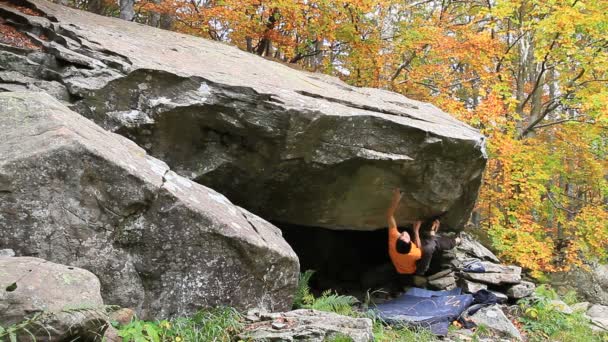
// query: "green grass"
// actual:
[[542, 322], [387, 333], [213, 325]]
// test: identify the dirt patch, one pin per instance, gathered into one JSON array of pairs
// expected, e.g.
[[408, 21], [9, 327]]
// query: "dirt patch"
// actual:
[[23, 9], [10, 36]]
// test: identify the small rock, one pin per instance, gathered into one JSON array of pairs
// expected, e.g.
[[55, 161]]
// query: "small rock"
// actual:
[[494, 278], [497, 268], [521, 290], [561, 306], [440, 274], [598, 314], [7, 253], [420, 281], [123, 316], [111, 335], [598, 310], [445, 283], [502, 298], [471, 287], [582, 306], [278, 325], [497, 322], [253, 315]]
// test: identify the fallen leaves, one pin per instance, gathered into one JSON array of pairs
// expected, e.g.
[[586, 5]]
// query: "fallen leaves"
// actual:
[[23, 9], [10, 36]]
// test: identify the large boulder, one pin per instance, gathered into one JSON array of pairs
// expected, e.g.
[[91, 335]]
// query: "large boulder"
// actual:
[[74, 193], [291, 146]]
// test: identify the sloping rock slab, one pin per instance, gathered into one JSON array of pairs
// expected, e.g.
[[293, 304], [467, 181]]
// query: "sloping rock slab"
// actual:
[[493, 278], [32, 285], [291, 146], [71, 192], [308, 325], [472, 248]]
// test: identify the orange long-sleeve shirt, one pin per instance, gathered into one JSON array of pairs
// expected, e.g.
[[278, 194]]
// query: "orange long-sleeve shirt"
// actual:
[[404, 263]]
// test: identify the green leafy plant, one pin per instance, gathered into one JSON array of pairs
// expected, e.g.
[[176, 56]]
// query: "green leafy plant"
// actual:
[[339, 338], [332, 302], [303, 294], [218, 325], [542, 321]]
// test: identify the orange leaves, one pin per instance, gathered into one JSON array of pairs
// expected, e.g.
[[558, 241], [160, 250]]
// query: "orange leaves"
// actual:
[[10, 36]]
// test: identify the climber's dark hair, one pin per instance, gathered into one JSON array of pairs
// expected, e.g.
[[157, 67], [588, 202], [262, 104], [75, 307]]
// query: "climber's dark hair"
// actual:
[[403, 247]]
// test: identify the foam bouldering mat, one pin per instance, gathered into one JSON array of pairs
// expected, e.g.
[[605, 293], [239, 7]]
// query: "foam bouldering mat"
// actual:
[[434, 310], [418, 292]]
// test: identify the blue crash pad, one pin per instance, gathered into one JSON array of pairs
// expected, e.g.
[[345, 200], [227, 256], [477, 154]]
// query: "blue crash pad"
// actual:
[[418, 292], [434, 310]]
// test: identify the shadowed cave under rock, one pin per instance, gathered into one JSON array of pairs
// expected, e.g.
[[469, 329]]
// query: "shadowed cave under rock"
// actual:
[[346, 261]]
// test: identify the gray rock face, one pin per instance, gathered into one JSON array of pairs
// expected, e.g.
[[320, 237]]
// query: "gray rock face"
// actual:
[[502, 298], [291, 146], [499, 268], [7, 253], [471, 287], [495, 274], [496, 321], [560, 306], [599, 317], [472, 248], [493, 278], [582, 306], [30, 285], [521, 290], [308, 325], [591, 284], [445, 283], [71, 192]]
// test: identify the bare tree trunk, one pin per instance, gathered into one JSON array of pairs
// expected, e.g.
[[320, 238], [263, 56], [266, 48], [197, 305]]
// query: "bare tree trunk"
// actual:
[[249, 41], [265, 44], [95, 6], [166, 21], [126, 10], [154, 18]]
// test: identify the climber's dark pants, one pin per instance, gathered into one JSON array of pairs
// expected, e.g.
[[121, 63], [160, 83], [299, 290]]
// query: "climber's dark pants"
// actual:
[[432, 247]]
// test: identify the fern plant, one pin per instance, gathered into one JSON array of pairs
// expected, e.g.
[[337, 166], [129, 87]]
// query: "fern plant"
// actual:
[[303, 296], [333, 302]]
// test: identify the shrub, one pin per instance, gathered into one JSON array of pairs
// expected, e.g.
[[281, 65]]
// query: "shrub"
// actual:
[[543, 322], [213, 325]]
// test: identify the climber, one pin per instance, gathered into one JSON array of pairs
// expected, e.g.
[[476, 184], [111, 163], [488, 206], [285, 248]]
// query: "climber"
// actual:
[[413, 257]]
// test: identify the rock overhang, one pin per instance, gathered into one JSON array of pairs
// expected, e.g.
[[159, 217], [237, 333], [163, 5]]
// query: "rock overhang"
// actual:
[[268, 129]]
